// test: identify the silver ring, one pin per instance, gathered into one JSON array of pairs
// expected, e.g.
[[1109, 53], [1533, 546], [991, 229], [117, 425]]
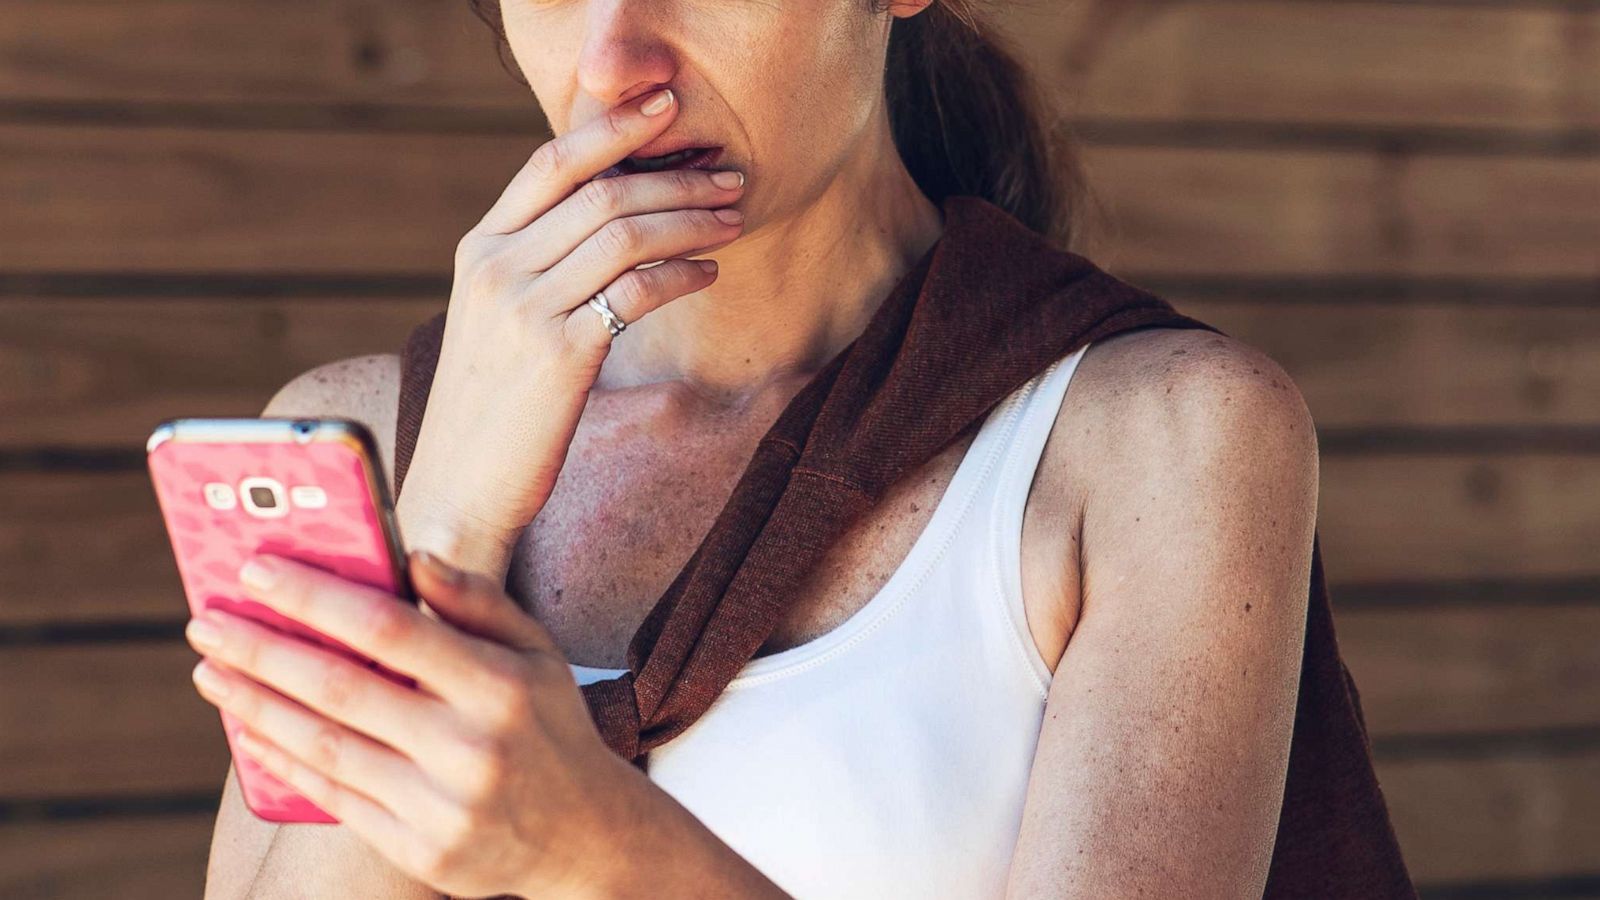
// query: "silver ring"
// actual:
[[614, 324]]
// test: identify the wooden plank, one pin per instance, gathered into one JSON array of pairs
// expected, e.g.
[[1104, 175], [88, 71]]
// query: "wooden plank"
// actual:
[[1471, 821], [158, 199], [1510, 65], [102, 373], [99, 720], [156, 857], [1425, 364], [384, 202], [298, 52], [85, 547], [1481, 820], [1207, 211], [116, 719], [1494, 668], [1459, 517]]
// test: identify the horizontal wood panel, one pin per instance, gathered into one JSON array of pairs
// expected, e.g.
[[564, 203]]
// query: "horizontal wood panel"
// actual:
[[1475, 669], [1516, 65], [132, 858], [377, 202], [1425, 364], [158, 199], [1510, 65], [1447, 517], [1207, 211], [1468, 822], [1486, 820], [105, 719], [102, 373], [82, 547], [97, 720], [205, 51], [132, 724]]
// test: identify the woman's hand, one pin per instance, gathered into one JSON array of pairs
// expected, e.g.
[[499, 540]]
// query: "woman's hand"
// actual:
[[491, 778], [521, 350]]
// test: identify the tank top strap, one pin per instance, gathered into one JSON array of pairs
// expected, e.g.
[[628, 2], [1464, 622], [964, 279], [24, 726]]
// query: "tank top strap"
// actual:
[[1040, 406]]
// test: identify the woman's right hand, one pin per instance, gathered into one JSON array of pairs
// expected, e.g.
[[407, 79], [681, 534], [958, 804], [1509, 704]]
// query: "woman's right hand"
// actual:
[[521, 349]]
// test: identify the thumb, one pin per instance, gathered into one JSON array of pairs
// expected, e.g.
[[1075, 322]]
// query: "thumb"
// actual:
[[473, 603]]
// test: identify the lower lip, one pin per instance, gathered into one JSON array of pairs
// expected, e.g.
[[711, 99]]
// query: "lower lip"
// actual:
[[705, 159]]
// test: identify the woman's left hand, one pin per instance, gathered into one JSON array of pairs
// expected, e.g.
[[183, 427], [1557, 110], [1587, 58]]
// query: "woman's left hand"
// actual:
[[489, 778]]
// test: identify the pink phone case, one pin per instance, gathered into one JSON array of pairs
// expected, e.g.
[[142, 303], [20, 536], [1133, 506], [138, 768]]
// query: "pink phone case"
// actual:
[[351, 532]]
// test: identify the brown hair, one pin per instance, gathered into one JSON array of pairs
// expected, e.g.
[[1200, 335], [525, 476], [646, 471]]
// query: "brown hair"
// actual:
[[966, 116]]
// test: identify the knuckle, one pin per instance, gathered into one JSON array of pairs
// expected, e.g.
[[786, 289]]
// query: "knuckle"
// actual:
[[549, 161], [491, 273], [468, 248], [546, 669], [688, 180], [340, 687], [326, 748], [487, 772], [621, 237], [506, 701], [616, 124], [387, 624], [603, 196]]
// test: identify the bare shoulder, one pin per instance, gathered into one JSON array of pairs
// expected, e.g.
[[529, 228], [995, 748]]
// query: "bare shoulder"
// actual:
[[1147, 410], [365, 388], [1189, 462], [1155, 395]]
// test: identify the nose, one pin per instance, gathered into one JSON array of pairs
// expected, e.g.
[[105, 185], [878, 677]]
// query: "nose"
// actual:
[[624, 51]]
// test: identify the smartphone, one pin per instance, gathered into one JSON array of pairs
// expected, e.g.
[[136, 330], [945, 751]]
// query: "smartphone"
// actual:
[[310, 489]]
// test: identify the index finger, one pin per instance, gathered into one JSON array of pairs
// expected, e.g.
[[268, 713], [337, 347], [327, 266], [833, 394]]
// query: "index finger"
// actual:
[[371, 621], [564, 163]]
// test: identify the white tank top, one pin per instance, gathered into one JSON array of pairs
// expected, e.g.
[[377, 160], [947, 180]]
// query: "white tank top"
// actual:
[[890, 757]]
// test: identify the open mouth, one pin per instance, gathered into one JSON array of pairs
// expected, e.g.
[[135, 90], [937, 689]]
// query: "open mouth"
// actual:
[[687, 158]]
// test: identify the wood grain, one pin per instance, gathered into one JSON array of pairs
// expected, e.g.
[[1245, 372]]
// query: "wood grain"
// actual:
[[136, 857], [95, 199], [95, 720], [1498, 819], [204, 52], [102, 372], [1412, 65]]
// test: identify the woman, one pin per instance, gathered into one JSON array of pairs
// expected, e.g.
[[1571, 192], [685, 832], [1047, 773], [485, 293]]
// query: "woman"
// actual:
[[1098, 709]]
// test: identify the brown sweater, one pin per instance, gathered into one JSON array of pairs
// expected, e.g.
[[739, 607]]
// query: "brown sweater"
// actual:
[[988, 306]]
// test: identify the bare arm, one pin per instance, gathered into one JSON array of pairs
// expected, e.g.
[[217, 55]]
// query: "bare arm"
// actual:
[[254, 858], [1164, 748]]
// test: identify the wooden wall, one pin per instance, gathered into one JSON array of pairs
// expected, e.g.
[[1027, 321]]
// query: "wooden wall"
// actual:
[[1399, 200]]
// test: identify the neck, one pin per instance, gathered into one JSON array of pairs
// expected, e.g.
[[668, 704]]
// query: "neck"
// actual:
[[790, 293]]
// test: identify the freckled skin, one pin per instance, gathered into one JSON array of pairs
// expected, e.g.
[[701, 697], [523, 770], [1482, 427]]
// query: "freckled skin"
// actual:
[[1157, 733]]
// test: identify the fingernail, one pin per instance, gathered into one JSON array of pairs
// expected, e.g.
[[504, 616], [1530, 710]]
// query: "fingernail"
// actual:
[[727, 179], [709, 266], [203, 634], [657, 103], [257, 574], [209, 681], [442, 570], [729, 216]]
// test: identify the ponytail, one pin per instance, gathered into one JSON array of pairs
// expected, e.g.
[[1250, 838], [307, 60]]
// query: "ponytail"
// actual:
[[966, 116]]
